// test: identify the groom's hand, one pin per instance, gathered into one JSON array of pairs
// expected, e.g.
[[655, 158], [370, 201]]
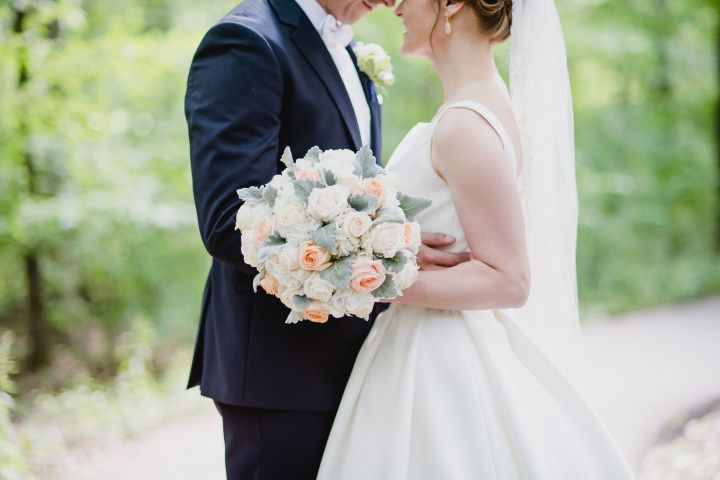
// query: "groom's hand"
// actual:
[[429, 258]]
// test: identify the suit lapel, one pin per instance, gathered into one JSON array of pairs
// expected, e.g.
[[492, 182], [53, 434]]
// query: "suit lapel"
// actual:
[[375, 110], [311, 46]]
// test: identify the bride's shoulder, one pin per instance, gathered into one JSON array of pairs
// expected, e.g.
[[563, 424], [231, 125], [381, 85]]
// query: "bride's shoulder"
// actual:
[[462, 135]]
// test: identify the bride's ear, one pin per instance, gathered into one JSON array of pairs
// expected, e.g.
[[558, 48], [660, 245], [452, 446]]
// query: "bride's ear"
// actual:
[[452, 7]]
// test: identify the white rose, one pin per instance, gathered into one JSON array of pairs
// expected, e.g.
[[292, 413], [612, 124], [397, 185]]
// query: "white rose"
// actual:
[[338, 303], [346, 244], [301, 275], [287, 295], [408, 275], [249, 248], [360, 305], [340, 162], [386, 239], [248, 215], [327, 203], [282, 183], [318, 288], [305, 164], [292, 221], [284, 261]]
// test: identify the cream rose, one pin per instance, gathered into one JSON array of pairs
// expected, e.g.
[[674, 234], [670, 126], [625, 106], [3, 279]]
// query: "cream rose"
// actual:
[[327, 203], [318, 288], [387, 238], [360, 305], [354, 224], [317, 313], [367, 275], [313, 257]]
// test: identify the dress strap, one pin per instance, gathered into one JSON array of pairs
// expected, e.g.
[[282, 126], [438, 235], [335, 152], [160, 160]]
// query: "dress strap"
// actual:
[[489, 117]]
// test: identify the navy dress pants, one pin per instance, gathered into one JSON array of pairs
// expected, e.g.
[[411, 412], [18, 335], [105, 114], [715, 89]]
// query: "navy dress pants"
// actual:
[[265, 444]]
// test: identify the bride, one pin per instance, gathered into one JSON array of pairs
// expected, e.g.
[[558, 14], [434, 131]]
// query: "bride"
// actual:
[[461, 377]]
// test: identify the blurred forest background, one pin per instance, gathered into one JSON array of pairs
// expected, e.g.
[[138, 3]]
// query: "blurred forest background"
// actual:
[[101, 264]]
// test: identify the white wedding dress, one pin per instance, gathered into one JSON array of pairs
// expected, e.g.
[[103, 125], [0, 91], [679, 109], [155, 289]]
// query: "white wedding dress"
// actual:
[[445, 395]]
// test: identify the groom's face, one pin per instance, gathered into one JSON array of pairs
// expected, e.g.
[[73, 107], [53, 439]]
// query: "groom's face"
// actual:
[[350, 11]]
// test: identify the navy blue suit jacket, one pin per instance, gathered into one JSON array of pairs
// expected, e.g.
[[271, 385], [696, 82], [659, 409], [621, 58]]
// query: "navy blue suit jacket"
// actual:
[[261, 80]]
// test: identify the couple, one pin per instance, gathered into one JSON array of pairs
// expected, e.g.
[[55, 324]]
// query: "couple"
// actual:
[[460, 377]]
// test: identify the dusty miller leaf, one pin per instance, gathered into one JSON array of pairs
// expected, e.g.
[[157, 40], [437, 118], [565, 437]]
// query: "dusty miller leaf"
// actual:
[[270, 246], [363, 203], [365, 166], [338, 274], [325, 237], [387, 290], [412, 205], [250, 194]]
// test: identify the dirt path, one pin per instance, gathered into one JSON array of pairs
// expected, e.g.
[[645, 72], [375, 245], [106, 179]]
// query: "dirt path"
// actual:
[[649, 368]]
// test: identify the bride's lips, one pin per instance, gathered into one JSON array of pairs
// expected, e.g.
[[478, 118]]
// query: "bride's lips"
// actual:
[[367, 5]]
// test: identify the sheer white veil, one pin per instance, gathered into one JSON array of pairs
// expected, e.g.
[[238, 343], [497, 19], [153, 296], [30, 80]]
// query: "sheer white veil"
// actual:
[[540, 93]]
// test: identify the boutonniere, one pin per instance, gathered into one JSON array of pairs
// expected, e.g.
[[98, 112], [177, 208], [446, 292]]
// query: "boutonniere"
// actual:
[[374, 62]]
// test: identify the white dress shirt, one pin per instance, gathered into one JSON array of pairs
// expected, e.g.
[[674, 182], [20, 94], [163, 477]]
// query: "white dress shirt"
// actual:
[[345, 66]]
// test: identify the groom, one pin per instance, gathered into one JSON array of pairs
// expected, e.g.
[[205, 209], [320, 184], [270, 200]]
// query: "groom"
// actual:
[[271, 74]]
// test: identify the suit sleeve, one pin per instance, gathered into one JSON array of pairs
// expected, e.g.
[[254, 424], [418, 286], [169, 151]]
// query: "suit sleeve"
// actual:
[[233, 105]]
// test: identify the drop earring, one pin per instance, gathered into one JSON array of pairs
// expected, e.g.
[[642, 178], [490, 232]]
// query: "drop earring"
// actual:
[[448, 28]]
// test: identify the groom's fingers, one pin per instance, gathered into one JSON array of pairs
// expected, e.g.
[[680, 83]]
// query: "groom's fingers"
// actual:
[[436, 239]]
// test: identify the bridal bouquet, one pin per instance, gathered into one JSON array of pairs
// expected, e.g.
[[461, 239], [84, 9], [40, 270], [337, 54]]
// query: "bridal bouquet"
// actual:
[[331, 234]]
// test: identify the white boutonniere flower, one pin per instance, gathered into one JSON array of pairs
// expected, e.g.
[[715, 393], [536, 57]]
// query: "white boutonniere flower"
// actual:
[[375, 63]]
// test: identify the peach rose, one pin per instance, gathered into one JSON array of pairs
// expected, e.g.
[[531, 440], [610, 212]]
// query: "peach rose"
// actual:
[[308, 174], [270, 284], [316, 313], [313, 257], [367, 275], [373, 186], [265, 228], [411, 234]]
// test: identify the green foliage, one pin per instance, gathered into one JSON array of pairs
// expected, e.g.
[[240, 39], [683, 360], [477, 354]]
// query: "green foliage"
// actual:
[[108, 206], [12, 462], [103, 411]]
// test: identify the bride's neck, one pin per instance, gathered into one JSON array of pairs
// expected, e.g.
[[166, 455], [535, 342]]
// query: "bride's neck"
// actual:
[[464, 62]]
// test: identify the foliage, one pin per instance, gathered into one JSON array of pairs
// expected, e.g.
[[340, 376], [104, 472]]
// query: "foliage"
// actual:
[[12, 463], [105, 411], [111, 214]]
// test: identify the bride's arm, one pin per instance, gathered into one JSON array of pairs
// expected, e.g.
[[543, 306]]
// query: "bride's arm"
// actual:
[[469, 155]]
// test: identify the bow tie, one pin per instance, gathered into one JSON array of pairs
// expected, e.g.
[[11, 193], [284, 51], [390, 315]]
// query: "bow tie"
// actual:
[[334, 33]]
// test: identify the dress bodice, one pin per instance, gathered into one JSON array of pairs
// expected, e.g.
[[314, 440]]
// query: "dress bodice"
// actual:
[[411, 161]]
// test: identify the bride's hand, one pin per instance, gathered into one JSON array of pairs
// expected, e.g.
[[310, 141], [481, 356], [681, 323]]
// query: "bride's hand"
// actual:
[[430, 258]]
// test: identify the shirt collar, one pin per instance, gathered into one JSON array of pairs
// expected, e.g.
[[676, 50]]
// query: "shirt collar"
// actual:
[[314, 11]]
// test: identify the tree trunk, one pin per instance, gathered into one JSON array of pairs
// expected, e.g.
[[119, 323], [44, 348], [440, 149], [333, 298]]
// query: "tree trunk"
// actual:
[[37, 319]]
